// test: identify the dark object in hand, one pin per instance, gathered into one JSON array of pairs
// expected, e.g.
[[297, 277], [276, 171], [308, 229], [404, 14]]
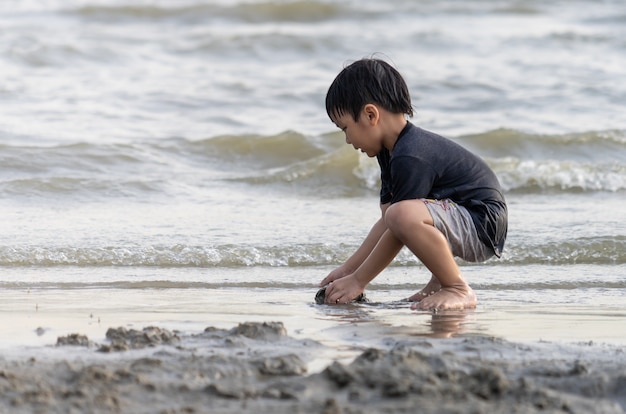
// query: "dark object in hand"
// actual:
[[320, 297]]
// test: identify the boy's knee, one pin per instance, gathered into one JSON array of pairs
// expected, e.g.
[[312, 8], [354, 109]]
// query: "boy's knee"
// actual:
[[393, 216], [406, 215]]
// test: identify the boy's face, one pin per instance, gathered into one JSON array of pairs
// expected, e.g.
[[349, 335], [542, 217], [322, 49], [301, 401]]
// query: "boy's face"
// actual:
[[359, 134]]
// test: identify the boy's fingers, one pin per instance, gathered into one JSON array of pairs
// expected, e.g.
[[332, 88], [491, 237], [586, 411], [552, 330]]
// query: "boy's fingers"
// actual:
[[329, 294]]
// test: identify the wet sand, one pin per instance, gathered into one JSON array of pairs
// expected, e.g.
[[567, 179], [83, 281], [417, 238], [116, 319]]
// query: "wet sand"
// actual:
[[273, 350], [258, 367]]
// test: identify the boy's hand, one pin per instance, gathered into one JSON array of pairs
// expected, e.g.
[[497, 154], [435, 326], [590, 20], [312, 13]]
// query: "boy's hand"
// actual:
[[343, 290], [338, 273]]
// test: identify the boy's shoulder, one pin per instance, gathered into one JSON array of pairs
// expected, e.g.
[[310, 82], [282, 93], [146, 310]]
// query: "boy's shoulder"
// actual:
[[413, 140]]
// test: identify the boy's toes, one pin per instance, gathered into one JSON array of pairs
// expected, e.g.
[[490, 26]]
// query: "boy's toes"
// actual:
[[419, 296]]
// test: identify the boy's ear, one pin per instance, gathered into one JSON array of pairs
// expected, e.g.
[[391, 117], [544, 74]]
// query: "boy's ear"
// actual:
[[372, 113]]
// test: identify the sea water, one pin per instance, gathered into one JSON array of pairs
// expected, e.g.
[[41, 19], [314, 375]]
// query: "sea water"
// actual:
[[171, 162]]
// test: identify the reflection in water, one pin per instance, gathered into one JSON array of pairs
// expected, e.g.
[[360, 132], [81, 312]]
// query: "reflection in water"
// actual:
[[447, 324], [349, 312], [398, 316]]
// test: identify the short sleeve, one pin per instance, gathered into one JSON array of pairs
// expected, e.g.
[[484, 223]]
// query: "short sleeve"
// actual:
[[412, 178]]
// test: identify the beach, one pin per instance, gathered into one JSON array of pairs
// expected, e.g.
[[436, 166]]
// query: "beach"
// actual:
[[278, 351], [172, 192], [257, 367]]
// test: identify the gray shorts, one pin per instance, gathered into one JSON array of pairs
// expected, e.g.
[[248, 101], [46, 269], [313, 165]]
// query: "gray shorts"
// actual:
[[456, 224]]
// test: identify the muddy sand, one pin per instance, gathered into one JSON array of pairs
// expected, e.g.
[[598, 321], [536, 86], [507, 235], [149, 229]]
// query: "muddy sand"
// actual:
[[257, 367]]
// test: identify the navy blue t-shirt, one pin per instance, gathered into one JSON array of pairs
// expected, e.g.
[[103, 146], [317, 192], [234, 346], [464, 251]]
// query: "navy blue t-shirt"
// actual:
[[425, 165]]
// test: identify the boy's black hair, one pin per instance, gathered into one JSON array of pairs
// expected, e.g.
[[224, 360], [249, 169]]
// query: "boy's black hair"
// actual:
[[368, 81]]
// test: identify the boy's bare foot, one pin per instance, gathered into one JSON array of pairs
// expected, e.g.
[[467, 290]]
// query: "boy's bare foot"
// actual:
[[459, 296], [431, 288]]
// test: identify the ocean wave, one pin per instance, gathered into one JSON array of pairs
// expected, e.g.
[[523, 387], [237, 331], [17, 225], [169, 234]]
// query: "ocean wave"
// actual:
[[342, 173], [142, 284], [531, 176], [169, 256], [608, 250], [255, 151], [584, 146], [597, 250], [261, 11], [290, 161], [585, 162], [589, 161], [82, 168]]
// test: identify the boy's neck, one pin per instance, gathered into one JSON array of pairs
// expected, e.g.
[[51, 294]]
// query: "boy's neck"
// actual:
[[392, 125]]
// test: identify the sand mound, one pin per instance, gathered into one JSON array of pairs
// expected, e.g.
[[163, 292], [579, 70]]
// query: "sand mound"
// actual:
[[256, 367]]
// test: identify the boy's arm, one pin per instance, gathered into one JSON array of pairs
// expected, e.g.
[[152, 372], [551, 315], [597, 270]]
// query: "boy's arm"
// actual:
[[359, 256], [346, 289]]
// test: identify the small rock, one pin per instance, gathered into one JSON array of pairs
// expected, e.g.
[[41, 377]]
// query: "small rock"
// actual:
[[282, 365], [74, 340], [264, 331]]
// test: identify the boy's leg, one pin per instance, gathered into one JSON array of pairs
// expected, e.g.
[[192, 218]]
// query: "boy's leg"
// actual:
[[411, 222]]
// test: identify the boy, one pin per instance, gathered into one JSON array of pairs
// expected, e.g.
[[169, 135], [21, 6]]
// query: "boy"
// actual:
[[436, 197]]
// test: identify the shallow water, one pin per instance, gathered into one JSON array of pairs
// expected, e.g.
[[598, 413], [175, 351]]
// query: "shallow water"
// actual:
[[172, 163]]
